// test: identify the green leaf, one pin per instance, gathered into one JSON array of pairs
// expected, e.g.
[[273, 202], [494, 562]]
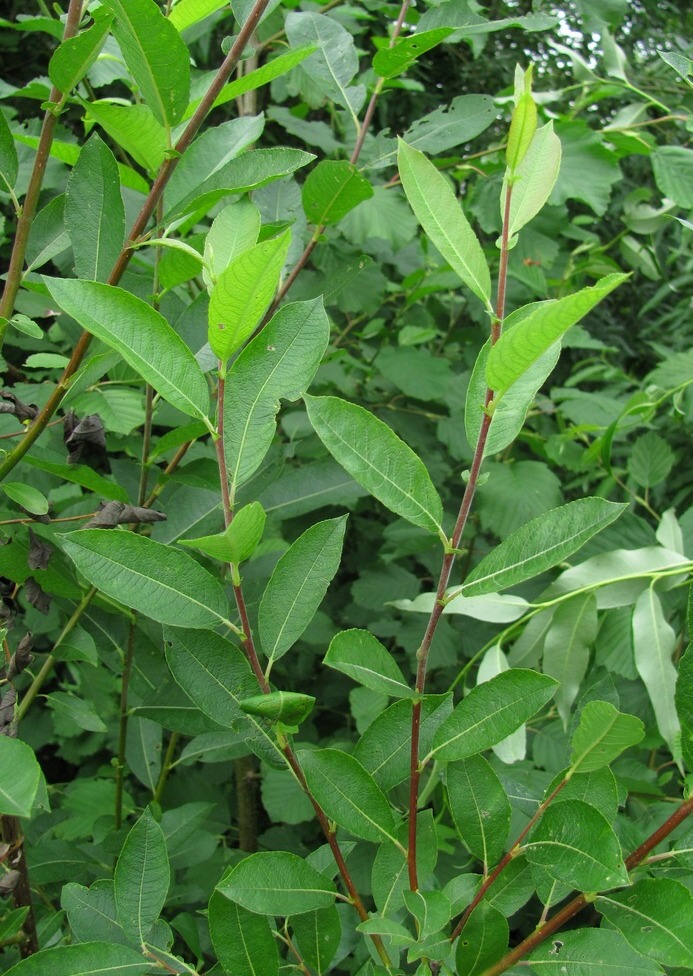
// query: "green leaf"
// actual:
[[141, 335], [234, 230], [287, 707], [495, 608], [375, 457], [540, 544], [348, 794], [575, 844], [28, 497], [155, 54], [479, 806], [81, 474], [602, 734], [318, 935], [567, 647], [673, 173], [392, 61], [650, 460], [331, 190], [491, 711], [244, 942], [277, 883], [534, 179], [654, 643], [298, 584], [523, 126], [684, 705], [141, 878], [76, 711], [238, 542], [589, 169], [431, 909], [189, 12], [483, 941], [246, 172], [94, 211], [590, 952], [360, 655], [243, 293], [104, 958], [531, 330], [75, 56], [156, 580], [278, 364], [9, 164], [20, 777], [134, 128], [390, 876], [656, 917], [336, 62], [439, 213]]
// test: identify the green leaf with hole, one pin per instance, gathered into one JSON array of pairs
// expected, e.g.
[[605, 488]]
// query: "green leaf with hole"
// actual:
[[576, 845], [298, 584], [20, 777], [156, 580], [491, 711], [362, 657], [483, 941], [142, 877], [376, 457], [155, 54], [438, 211], [348, 794], [277, 883], [141, 335], [655, 915], [531, 330], [75, 56], [603, 733], [243, 293], [590, 952], [392, 61], [332, 189]]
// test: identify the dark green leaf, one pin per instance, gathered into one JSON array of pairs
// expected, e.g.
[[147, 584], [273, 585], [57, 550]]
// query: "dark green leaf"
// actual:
[[277, 883], [362, 656], [479, 806], [73, 58], [654, 642], [141, 878], [332, 189], [287, 707], [567, 647], [244, 942], [20, 777], [650, 460], [392, 61], [104, 958], [318, 935], [590, 952], [655, 915], [484, 939], [9, 164], [602, 735]]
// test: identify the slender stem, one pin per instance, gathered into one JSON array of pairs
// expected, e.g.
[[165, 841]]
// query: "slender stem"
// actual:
[[166, 767], [123, 723], [40, 422], [449, 561], [557, 921], [21, 239], [246, 802]]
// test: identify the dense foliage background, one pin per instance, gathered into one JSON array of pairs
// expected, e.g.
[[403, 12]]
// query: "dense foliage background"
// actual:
[[112, 730]]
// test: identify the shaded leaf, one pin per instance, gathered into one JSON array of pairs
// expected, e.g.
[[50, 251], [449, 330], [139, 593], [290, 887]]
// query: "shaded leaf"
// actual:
[[73, 57], [141, 878], [20, 777], [360, 655], [484, 940], [104, 958], [602, 734], [277, 883], [654, 643], [331, 190], [590, 952], [655, 915], [244, 942], [479, 806]]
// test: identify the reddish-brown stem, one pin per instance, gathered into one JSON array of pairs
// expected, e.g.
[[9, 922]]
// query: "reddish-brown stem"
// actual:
[[568, 911], [21, 238], [141, 221], [449, 561]]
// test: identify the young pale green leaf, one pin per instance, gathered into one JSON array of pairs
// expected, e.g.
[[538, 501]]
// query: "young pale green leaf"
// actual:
[[134, 129], [141, 878], [20, 777], [277, 883], [654, 642], [602, 734], [567, 648], [85, 959], [491, 711], [533, 329], [523, 125], [298, 584], [495, 608], [94, 211], [155, 54], [27, 496], [655, 915], [590, 952], [533, 180], [318, 935], [9, 163], [576, 845], [332, 189], [158, 581], [242, 294], [483, 941], [360, 655], [238, 542], [141, 335], [348, 794], [243, 941], [392, 61], [376, 457], [433, 201], [278, 364], [288, 707], [684, 701], [540, 544], [75, 56], [479, 806], [188, 12], [234, 230]]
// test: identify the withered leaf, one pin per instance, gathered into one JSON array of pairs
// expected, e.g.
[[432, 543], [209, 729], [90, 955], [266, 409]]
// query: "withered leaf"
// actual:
[[85, 441], [39, 552], [9, 403], [111, 514], [8, 882], [36, 596], [22, 657], [7, 704]]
